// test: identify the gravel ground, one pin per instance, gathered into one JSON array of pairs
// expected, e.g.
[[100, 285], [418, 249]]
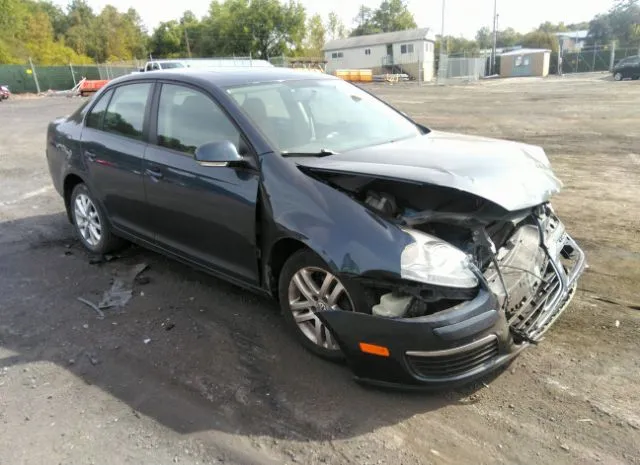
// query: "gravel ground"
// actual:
[[194, 370]]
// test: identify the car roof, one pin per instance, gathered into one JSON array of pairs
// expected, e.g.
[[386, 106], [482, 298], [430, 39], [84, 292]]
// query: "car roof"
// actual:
[[228, 77]]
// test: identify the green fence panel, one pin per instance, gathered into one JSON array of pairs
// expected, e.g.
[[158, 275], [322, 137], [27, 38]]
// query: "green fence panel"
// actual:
[[19, 78]]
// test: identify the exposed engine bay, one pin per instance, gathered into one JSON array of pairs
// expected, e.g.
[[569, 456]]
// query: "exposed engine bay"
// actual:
[[512, 251]]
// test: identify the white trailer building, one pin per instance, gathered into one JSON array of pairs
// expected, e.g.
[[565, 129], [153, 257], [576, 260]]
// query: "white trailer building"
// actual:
[[410, 52]]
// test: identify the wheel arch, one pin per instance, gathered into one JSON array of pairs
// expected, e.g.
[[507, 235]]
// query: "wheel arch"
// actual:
[[277, 256], [71, 180]]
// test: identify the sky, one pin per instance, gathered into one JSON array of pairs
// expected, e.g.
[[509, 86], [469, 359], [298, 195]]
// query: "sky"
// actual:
[[462, 17]]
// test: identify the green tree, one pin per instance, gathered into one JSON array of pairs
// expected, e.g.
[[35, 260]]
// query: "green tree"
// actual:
[[316, 37], [620, 23], [365, 23], [390, 16], [484, 38], [335, 27], [261, 28], [81, 34], [508, 38], [541, 39], [394, 15], [166, 40]]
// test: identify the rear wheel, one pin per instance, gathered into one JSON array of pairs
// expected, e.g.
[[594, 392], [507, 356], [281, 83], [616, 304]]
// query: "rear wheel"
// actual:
[[617, 76], [90, 222], [307, 287]]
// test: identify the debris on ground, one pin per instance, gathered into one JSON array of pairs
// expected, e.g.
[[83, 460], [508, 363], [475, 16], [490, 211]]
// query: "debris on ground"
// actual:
[[147, 341], [142, 280], [121, 290], [92, 358], [99, 259], [93, 306]]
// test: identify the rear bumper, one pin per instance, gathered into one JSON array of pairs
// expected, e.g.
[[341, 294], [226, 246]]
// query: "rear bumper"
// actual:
[[450, 348]]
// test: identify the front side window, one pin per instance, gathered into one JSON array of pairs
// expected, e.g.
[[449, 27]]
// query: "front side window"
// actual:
[[325, 114], [187, 119], [125, 115], [96, 117]]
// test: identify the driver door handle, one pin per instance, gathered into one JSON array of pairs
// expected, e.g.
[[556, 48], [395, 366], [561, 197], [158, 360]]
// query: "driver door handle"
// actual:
[[154, 174]]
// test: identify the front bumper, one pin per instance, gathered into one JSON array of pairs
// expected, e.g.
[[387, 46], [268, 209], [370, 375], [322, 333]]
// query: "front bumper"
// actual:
[[458, 345]]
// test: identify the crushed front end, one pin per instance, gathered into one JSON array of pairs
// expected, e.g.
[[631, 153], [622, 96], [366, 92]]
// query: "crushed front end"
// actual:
[[424, 335]]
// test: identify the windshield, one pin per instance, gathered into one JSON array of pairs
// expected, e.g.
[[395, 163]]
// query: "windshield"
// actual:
[[320, 116]]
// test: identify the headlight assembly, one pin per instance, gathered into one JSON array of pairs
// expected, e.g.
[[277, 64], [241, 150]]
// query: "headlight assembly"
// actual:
[[431, 260]]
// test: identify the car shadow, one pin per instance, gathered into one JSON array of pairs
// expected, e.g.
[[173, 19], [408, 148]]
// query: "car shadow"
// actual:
[[189, 350]]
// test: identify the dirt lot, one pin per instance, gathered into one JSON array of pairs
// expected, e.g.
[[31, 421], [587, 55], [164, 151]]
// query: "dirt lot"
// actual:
[[226, 384]]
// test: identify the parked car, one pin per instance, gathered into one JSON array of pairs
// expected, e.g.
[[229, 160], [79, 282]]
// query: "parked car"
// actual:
[[5, 93], [627, 68], [421, 257]]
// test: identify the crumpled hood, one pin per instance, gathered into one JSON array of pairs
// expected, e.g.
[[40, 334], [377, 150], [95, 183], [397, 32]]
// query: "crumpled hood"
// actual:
[[510, 174]]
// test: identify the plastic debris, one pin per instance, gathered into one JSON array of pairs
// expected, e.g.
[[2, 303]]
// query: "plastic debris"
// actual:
[[617, 323], [121, 290], [147, 341], [93, 306]]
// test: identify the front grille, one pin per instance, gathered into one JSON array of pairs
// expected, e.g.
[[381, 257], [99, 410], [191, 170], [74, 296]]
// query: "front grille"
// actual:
[[451, 363], [529, 313]]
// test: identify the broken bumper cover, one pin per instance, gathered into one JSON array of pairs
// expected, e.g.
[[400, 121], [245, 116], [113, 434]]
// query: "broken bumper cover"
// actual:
[[452, 347]]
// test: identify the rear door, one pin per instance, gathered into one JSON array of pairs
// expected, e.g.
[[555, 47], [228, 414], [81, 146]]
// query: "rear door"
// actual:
[[203, 212], [113, 146]]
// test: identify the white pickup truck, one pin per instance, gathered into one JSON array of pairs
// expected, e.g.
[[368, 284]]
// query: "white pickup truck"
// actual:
[[157, 65]]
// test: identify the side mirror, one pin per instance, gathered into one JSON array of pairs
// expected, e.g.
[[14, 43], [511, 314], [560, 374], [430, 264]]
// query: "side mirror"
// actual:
[[222, 153]]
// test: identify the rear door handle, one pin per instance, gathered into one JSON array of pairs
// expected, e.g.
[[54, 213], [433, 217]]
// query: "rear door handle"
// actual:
[[154, 174], [90, 155]]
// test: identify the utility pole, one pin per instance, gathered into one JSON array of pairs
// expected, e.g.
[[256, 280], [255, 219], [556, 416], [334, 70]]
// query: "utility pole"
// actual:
[[495, 36], [441, 64]]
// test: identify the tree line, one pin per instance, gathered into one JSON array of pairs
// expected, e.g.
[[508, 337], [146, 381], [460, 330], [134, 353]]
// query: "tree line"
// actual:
[[49, 34]]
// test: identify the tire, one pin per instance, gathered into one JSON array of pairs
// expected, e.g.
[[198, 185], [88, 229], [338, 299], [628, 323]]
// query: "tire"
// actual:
[[308, 327], [90, 222], [617, 76]]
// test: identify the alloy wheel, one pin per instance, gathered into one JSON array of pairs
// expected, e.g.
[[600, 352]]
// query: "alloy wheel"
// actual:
[[618, 77], [313, 290], [87, 220]]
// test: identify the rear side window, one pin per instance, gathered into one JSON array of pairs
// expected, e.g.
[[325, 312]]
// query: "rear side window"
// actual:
[[187, 118], [95, 118], [125, 115]]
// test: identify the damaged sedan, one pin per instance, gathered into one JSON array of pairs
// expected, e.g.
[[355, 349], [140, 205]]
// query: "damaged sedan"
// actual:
[[420, 257]]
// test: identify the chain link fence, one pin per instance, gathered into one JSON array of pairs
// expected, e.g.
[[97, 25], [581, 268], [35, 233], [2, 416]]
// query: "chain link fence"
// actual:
[[590, 59], [460, 69]]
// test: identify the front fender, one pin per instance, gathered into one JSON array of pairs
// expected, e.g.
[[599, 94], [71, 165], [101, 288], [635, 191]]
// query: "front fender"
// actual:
[[350, 238]]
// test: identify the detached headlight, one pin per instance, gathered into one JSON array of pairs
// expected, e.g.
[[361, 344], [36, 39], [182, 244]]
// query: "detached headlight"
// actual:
[[433, 261]]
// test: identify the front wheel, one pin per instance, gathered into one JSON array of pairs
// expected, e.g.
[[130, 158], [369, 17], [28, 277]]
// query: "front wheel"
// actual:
[[307, 287], [617, 76], [91, 223]]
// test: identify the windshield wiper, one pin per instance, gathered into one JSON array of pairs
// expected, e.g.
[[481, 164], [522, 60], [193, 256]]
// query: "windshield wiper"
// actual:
[[319, 153]]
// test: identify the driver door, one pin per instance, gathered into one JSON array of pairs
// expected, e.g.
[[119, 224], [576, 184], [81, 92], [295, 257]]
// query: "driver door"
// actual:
[[205, 214]]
